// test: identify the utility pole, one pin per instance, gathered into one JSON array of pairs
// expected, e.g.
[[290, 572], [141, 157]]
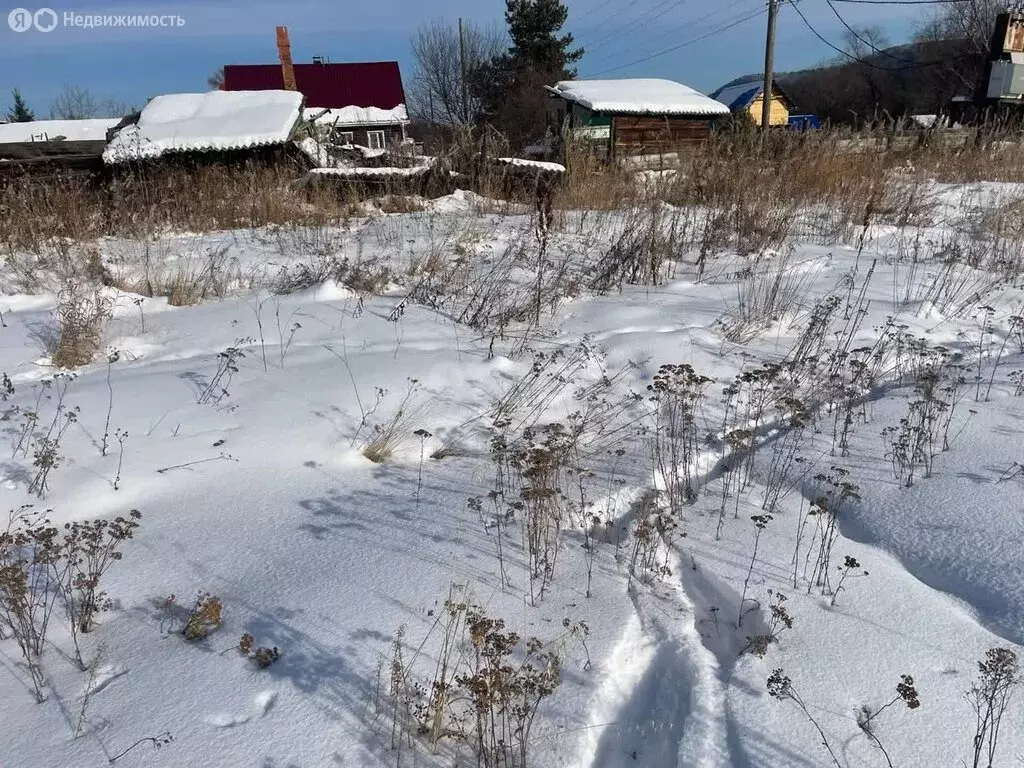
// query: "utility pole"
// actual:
[[769, 65], [462, 70]]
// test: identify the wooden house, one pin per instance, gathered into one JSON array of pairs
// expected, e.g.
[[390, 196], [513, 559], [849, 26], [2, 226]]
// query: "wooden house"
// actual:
[[748, 98], [363, 102], [632, 117]]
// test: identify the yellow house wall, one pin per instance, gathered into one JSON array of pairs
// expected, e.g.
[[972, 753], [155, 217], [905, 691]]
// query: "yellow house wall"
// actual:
[[779, 115]]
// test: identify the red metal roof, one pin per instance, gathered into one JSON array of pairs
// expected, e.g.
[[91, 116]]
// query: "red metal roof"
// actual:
[[363, 84]]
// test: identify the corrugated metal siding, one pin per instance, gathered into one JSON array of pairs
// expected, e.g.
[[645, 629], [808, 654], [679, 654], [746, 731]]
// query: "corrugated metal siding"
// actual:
[[652, 135], [364, 84]]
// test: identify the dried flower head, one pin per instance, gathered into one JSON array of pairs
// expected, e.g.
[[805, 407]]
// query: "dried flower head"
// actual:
[[906, 691]]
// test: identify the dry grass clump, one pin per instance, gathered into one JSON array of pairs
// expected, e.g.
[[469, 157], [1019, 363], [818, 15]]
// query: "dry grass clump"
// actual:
[[261, 656], [382, 443], [754, 192], [305, 275], [367, 276], [186, 275], [206, 199], [204, 617], [486, 287], [45, 227], [191, 283], [483, 694], [989, 153], [319, 253], [770, 287], [400, 204], [36, 212], [81, 314], [389, 436], [42, 566], [591, 183], [49, 227], [736, 193], [642, 251]]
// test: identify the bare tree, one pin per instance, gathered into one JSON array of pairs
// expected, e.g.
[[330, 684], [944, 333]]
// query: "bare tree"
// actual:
[[437, 92], [863, 42], [77, 103], [867, 46], [74, 103], [216, 80], [965, 30], [989, 696]]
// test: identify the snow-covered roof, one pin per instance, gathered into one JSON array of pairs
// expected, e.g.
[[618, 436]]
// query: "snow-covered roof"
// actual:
[[540, 165], [640, 96], [742, 95], [50, 130], [346, 117], [218, 120], [738, 96], [380, 172]]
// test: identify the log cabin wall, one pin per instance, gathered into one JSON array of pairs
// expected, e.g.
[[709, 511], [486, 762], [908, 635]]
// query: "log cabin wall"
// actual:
[[635, 135], [393, 134]]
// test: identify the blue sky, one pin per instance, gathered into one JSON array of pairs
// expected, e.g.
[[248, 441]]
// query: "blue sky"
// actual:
[[132, 64]]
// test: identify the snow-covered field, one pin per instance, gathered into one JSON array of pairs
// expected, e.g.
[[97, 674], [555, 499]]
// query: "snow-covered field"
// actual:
[[240, 427]]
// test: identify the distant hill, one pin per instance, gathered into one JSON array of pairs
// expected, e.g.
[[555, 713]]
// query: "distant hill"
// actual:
[[913, 78]]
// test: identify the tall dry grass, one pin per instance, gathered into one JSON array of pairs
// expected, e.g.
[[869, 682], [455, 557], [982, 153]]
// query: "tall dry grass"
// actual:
[[738, 193]]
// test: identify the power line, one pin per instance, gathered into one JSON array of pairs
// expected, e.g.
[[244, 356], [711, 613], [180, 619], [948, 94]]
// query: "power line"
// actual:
[[868, 43], [632, 22], [836, 48], [865, 62], [603, 5], [671, 31], [904, 2], [616, 14], [705, 36]]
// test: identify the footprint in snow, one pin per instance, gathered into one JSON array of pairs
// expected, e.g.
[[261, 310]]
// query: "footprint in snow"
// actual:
[[105, 675], [261, 705], [223, 720], [264, 701]]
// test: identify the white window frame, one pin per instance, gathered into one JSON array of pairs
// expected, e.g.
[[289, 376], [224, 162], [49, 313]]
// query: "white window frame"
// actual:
[[347, 137], [379, 135]]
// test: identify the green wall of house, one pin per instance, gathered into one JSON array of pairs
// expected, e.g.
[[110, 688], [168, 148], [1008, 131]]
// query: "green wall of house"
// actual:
[[585, 117], [591, 125]]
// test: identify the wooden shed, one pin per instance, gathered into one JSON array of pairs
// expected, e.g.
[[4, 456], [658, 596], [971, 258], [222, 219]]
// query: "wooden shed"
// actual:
[[48, 146], [223, 126], [749, 98], [635, 116]]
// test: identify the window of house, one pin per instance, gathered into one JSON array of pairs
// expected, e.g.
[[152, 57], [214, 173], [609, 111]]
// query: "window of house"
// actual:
[[375, 139], [347, 137]]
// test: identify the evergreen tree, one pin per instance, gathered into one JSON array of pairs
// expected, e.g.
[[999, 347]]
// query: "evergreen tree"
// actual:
[[19, 112], [533, 26], [510, 86]]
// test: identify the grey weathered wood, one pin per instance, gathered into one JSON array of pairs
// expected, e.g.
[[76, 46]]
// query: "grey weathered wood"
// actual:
[[28, 150]]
